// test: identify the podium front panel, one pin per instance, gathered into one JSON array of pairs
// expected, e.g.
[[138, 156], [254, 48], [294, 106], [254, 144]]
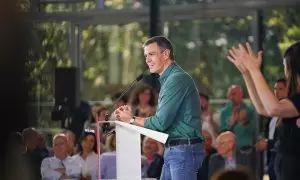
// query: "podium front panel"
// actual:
[[128, 145]]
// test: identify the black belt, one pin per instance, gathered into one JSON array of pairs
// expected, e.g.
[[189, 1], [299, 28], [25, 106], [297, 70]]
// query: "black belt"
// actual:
[[177, 142]]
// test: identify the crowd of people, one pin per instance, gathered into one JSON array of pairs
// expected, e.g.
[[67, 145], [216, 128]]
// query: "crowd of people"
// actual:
[[77, 157], [227, 142]]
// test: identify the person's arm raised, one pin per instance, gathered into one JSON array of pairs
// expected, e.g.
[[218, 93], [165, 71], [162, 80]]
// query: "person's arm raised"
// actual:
[[235, 56]]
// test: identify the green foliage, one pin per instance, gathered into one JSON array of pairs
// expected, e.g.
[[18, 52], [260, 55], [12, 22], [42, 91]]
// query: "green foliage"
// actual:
[[112, 55]]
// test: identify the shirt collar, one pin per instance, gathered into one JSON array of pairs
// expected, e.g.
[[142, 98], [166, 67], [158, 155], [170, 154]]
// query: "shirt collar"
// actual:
[[166, 73], [63, 159]]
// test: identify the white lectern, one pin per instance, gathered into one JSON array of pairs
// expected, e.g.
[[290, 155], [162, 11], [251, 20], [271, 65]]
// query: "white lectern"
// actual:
[[128, 145]]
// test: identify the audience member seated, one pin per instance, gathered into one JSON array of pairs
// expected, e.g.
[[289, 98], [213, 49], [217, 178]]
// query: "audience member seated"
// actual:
[[43, 149], [95, 108], [71, 142], [228, 156], [240, 173], [87, 155], [91, 124], [14, 159], [108, 160], [120, 102], [157, 162], [209, 120], [272, 133], [33, 153], [208, 152], [149, 147], [61, 166], [239, 118], [143, 101]]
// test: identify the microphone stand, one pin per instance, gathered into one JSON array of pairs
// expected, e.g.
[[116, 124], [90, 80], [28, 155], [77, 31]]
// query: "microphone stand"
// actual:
[[106, 126]]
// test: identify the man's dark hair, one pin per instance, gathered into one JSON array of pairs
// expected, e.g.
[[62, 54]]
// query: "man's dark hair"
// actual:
[[281, 80], [162, 42]]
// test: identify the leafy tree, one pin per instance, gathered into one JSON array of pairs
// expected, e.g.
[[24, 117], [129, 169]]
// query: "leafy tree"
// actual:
[[112, 55]]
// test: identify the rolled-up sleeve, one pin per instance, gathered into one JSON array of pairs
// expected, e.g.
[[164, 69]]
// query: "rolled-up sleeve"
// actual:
[[172, 96]]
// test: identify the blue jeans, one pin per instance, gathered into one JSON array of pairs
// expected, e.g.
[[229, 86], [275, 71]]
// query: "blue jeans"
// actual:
[[182, 162]]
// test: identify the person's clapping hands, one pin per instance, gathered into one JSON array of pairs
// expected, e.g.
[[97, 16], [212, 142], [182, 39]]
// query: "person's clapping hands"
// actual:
[[244, 58], [123, 113]]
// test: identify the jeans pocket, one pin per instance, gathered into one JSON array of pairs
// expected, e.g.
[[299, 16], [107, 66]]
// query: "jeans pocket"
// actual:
[[188, 156]]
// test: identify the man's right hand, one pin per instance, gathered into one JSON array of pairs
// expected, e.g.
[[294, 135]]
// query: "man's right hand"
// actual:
[[261, 145]]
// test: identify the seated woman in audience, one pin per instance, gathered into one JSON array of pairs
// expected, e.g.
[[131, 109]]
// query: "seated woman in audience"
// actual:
[[208, 152], [87, 156], [108, 160], [143, 101], [157, 161], [91, 124]]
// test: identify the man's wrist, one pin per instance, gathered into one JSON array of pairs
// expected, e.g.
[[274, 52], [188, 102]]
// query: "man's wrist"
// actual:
[[139, 121], [132, 120]]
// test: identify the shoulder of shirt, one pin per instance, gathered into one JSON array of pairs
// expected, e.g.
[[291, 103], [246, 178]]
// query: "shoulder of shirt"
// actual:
[[50, 159], [225, 107], [216, 156], [76, 156], [179, 76]]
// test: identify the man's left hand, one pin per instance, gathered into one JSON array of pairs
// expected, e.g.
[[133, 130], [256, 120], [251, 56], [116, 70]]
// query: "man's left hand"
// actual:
[[124, 113]]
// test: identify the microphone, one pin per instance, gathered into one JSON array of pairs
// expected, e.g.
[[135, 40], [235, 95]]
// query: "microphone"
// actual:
[[112, 108]]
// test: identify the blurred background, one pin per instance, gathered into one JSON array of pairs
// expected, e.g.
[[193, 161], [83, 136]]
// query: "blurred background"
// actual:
[[103, 39], [86, 51]]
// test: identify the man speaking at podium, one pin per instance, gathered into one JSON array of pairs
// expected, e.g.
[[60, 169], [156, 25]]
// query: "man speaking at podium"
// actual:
[[178, 113]]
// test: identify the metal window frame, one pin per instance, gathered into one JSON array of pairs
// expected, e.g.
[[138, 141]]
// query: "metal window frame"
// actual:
[[168, 13]]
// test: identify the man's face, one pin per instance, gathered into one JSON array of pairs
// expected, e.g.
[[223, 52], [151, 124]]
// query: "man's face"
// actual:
[[61, 146], [204, 103], [235, 95], [71, 142], [149, 146], [155, 58], [225, 144], [145, 96], [280, 90]]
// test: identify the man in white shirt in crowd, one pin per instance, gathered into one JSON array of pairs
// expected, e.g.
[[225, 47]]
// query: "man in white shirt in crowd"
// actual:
[[61, 165]]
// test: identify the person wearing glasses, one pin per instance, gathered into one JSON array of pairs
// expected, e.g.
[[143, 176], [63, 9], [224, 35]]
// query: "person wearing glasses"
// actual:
[[178, 112]]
